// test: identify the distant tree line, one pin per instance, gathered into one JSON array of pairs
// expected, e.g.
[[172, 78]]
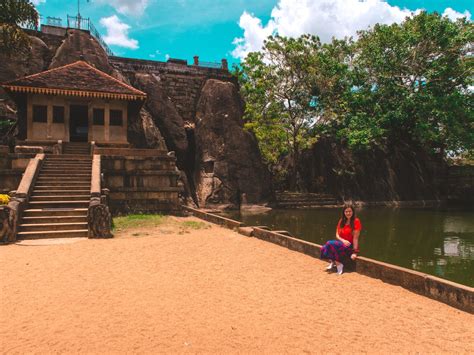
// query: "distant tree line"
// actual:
[[409, 83]]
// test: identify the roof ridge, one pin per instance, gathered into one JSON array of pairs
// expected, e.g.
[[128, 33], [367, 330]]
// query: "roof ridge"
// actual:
[[111, 77], [43, 72]]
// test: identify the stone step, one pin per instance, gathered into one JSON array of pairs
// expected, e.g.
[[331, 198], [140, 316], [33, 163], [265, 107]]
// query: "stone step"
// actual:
[[63, 178], [54, 219], [49, 192], [60, 198], [69, 157], [54, 234], [71, 174], [58, 204], [38, 212], [52, 226], [61, 186]]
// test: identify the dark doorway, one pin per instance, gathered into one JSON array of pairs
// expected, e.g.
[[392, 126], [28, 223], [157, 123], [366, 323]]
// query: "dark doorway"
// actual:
[[78, 123]]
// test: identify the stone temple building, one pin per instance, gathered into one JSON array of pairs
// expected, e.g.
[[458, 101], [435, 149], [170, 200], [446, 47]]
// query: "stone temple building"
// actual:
[[74, 103]]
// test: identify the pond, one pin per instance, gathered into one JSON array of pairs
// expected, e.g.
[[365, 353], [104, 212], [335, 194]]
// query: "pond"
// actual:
[[436, 242]]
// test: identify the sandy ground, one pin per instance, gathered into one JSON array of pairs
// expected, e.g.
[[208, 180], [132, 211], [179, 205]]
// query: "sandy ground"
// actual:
[[172, 290]]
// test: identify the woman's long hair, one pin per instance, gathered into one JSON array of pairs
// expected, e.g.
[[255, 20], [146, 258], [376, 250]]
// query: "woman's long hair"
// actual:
[[344, 219]]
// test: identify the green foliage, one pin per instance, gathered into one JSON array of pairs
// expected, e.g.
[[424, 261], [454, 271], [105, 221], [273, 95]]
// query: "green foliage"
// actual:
[[138, 220], [405, 83], [13, 14]]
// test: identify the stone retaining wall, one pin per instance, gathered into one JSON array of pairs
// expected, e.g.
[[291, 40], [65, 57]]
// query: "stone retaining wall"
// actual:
[[141, 183], [451, 293]]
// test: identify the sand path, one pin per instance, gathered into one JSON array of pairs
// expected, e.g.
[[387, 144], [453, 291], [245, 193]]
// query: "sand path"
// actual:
[[209, 290]]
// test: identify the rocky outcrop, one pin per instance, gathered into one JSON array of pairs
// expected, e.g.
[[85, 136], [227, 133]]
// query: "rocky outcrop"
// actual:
[[79, 45], [397, 173], [143, 133], [228, 164], [163, 112]]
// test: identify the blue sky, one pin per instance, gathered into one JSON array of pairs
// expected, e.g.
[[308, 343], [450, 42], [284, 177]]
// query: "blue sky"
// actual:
[[216, 29]]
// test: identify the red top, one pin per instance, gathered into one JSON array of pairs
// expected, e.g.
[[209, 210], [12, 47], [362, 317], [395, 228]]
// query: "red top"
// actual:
[[346, 231]]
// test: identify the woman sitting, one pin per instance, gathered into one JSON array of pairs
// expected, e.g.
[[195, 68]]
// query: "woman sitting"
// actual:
[[347, 243]]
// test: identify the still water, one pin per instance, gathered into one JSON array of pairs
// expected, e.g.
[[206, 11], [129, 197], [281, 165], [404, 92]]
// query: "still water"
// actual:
[[436, 242]]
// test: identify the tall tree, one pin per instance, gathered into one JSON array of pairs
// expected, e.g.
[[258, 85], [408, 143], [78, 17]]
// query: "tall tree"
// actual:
[[413, 83], [15, 14], [279, 95]]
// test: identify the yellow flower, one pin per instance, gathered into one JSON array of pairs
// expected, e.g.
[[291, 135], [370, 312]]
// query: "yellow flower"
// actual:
[[4, 199]]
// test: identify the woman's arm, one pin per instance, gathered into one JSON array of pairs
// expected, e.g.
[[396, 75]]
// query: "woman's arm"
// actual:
[[355, 244]]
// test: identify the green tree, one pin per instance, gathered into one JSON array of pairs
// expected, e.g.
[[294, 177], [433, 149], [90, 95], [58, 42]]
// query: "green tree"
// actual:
[[13, 15], [280, 106], [413, 84]]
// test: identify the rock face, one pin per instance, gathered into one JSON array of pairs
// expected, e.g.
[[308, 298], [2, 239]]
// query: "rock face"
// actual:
[[164, 113], [143, 133], [228, 168], [79, 45], [397, 173], [33, 62]]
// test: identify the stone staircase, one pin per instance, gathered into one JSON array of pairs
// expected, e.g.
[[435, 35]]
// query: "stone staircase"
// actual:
[[60, 198], [288, 199]]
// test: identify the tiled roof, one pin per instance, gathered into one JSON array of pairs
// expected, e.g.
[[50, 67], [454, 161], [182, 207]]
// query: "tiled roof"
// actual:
[[76, 79]]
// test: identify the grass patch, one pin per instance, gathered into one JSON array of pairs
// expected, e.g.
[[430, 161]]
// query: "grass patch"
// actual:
[[194, 225], [137, 220]]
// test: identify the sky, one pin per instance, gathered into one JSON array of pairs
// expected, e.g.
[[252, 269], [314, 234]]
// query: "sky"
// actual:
[[217, 29]]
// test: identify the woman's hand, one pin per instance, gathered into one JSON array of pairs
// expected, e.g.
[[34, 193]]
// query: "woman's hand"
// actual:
[[346, 242], [354, 256]]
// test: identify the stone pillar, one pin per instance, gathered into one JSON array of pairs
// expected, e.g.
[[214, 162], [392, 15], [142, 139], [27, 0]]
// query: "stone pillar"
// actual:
[[196, 60], [107, 122], [225, 66], [49, 114]]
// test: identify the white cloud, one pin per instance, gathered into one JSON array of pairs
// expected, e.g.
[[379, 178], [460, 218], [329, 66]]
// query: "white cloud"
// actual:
[[127, 7], [37, 2], [453, 15], [167, 56], [117, 33], [324, 18]]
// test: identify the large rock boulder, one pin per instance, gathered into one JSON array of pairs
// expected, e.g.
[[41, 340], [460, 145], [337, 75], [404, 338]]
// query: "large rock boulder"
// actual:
[[79, 45], [163, 112], [398, 172], [143, 133], [229, 168]]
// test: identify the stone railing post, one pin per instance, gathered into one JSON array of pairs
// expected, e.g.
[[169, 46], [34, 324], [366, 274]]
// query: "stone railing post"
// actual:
[[98, 215], [92, 148], [10, 214]]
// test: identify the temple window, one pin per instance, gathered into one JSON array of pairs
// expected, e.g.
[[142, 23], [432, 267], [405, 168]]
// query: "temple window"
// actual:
[[116, 118], [98, 116], [58, 114], [40, 113]]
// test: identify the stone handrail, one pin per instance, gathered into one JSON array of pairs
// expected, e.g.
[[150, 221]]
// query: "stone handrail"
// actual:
[[95, 178], [11, 213], [98, 215]]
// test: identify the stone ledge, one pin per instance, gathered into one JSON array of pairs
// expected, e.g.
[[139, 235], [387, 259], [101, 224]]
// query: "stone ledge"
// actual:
[[454, 294]]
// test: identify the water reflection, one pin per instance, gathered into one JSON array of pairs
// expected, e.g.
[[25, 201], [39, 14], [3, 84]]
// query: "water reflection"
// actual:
[[432, 241]]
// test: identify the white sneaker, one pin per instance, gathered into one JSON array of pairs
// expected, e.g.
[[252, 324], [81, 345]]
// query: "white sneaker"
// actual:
[[330, 266], [339, 269]]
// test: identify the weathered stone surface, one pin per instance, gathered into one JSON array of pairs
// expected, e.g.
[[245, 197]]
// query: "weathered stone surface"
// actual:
[[99, 220], [79, 45], [143, 133], [34, 61], [396, 173], [8, 222], [163, 112], [228, 163]]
